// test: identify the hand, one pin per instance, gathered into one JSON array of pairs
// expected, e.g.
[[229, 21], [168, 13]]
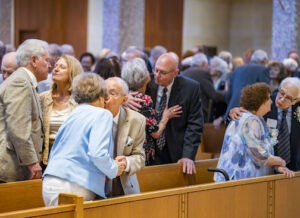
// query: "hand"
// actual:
[[132, 102], [121, 166], [235, 113], [218, 122], [35, 171], [188, 165], [286, 171], [172, 112]]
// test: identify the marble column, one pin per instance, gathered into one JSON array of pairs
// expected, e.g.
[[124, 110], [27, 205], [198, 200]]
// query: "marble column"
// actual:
[[6, 21], [286, 31], [123, 24]]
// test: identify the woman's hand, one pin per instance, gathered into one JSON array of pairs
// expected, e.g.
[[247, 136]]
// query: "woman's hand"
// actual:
[[172, 112], [286, 171]]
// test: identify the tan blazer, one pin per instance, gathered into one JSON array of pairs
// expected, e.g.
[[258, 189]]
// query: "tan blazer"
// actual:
[[21, 127], [131, 136], [47, 104]]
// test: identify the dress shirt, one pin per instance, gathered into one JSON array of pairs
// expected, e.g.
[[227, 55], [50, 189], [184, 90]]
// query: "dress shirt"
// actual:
[[160, 93], [288, 118]]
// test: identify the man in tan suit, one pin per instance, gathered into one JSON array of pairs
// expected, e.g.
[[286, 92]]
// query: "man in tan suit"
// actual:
[[129, 136], [21, 126]]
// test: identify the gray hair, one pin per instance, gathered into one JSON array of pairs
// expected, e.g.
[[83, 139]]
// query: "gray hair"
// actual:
[[226, 56], [54, 50], [30, 48], [219, 64], [67, 49], [135, 73], [293, 81], [199, 59], [259, 56], [88, 87], [121, 82], [290, 64], [157, 51]]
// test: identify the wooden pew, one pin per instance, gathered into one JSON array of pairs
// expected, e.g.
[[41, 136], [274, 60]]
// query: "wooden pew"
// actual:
[[28, 194], [166, 176], [70, 205], [211, 142], [270, 196]]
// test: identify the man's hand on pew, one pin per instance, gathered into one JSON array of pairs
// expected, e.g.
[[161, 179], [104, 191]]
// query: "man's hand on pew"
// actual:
[[188, 165], [35, 170]]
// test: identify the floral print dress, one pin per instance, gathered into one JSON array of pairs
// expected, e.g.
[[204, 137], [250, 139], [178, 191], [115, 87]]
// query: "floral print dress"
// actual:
[[151, 125], [246, 147]]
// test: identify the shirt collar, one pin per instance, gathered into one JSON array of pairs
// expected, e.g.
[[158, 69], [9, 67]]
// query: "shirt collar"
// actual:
[[116, 118], [31, 76]]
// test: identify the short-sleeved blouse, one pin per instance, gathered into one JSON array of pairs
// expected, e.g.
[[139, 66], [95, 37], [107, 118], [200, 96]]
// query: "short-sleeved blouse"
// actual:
[[246, 147]]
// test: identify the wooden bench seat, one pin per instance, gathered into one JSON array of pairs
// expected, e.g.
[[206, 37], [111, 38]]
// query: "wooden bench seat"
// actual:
[[28, 194], [270, 196]]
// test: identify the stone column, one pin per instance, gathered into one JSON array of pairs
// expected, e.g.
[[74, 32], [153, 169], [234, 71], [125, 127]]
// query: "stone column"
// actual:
[[6, 21], [285, 32], [123, 24]]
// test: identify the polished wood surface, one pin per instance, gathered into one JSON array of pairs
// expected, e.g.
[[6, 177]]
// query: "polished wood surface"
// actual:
[[55, 21], [164, 24], [256, 197]]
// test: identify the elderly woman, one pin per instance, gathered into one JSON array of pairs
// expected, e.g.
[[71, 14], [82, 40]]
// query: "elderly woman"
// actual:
[[57, 103], [136, 75], [80, 159], [277, 73], [247, 149]]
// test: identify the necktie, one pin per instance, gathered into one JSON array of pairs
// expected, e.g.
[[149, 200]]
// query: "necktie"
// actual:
[[283, 146], [115, 135], [161, 140]]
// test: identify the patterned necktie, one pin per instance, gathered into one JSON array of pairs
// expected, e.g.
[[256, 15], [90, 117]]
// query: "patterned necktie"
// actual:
[[283, 146], [161, 140]]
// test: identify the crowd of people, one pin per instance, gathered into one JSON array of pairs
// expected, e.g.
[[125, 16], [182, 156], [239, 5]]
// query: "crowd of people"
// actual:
[[88, 125]]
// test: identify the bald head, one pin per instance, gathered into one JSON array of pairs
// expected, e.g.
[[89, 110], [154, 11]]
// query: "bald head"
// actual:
[[165, 69], [9, 64]]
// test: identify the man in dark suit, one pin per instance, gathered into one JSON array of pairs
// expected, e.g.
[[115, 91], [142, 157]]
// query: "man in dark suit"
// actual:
[[287, 98], [182, 134], [247, 74], [199, 72]]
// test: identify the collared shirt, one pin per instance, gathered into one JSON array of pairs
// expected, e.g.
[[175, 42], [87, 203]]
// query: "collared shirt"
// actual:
[[160, 93], [116, 122], [32, 77], [288, 118]]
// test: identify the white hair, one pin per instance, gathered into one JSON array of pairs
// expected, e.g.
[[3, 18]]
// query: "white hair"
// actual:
[[293, 81], [199, 59], [259, 56], [290, 64], [30, 48], [219, 64]]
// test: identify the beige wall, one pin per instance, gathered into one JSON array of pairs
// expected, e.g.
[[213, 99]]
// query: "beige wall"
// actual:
[[232, 25]]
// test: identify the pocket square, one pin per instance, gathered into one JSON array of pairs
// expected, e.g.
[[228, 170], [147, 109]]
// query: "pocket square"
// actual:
[[129, 141]]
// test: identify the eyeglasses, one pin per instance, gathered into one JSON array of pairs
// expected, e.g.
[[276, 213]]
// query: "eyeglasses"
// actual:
[[160, 72], [282, 94], [114, 94]]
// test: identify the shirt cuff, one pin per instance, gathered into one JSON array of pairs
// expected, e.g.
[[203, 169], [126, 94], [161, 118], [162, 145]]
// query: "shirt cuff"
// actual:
[[127, 165]]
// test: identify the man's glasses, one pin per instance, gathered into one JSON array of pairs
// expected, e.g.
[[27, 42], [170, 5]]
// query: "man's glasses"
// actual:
[[282, 94]]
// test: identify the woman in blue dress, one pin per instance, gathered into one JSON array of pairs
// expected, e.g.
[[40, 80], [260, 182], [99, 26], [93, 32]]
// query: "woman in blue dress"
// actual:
[[247, 149]]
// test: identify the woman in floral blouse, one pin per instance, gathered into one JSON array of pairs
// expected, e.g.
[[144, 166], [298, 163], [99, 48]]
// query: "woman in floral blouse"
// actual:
[[247, 149], [135, 73]]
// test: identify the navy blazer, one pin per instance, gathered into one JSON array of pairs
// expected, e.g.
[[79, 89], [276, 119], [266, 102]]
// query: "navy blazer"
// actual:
[[183, 134], [244, 75], [294, 135]]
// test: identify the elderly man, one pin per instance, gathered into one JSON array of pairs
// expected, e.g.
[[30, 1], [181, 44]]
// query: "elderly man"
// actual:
[[182, 135], [129, 136], [21, 131], [9, 64], [284, 117]]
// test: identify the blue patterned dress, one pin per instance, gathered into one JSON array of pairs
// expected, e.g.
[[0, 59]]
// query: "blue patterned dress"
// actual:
[[246, 147]]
